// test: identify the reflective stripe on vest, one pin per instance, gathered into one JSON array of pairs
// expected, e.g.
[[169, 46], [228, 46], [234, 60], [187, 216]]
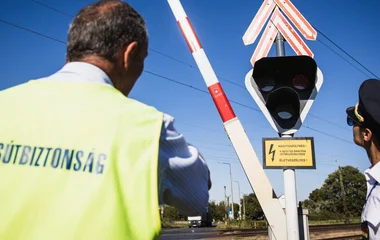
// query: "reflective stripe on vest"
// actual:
[[77, 161]]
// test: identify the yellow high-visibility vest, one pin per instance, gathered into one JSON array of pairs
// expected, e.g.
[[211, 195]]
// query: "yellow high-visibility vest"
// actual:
[[77, 161]]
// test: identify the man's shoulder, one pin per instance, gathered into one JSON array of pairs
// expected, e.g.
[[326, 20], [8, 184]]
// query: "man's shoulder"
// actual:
[[22, 87], [14, 87]]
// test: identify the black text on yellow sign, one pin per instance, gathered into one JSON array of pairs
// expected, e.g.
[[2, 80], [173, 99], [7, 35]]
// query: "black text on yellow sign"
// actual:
[[296, 153]]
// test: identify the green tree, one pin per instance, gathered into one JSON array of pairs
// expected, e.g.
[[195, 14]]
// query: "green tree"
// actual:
[[212, 206], [327, 201], [171, 214], [217, 210], [253, 209], [236, 211]]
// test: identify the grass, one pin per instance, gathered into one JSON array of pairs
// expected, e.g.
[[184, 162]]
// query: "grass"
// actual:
[[338, 221], [243, 225]]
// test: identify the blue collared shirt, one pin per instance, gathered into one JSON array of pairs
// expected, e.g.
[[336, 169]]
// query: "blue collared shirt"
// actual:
[[182, 172]]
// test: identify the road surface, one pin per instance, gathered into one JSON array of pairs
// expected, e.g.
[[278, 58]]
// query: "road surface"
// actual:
[[316, 232]]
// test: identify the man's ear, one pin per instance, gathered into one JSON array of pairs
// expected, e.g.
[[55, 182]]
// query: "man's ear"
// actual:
[[367, 134], [130, 53]]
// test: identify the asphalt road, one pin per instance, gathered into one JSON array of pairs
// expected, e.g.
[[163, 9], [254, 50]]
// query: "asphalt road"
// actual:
[[316, 232], [208, 233]]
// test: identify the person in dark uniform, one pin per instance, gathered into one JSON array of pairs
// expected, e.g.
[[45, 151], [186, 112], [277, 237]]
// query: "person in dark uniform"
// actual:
[[365, 119]]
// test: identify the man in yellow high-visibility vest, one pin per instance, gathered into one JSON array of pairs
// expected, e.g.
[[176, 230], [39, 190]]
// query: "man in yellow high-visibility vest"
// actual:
[[81, 160]]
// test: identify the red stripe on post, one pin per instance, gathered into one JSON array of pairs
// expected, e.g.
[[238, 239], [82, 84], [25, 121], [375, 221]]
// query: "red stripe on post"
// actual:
[[222, 104], [195, 35], [184, 34]]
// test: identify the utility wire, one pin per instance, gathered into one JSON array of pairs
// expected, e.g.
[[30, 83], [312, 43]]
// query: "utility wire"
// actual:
[[52, 8], [335, 156], [328, 134], [31, 31], [229, 81], [328, 47], [215, 160], [175, 81], [227, 145], [344, 59], [151, 49], [345, 52], [327, 121], [166, 78], [198, 89], [192, 66], [212, 142], [200, 127]]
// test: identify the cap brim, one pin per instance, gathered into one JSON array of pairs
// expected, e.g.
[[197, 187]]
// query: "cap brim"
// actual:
[[351, 113]]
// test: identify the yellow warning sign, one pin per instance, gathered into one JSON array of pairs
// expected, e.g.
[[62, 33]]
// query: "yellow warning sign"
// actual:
[[294, 153]]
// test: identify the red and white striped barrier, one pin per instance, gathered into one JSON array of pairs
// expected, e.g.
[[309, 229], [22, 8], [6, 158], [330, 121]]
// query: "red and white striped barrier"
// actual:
[[239, 139], [208, 74]]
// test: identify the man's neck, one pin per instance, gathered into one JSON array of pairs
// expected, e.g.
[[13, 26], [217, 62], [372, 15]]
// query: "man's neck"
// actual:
[[373, 155], [112, 72], [104, 65]]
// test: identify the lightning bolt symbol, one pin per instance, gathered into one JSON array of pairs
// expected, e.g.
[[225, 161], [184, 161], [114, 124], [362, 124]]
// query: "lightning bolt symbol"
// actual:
[[271, 151]]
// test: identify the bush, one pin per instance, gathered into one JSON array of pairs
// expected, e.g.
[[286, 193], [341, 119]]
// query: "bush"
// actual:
[[245, 224]]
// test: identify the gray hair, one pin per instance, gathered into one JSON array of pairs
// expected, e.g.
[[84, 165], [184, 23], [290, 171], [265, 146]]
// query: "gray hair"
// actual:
[[104, 29]]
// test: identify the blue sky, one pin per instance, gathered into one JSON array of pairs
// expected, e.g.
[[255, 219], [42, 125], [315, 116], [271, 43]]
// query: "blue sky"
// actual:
[[220, 26]]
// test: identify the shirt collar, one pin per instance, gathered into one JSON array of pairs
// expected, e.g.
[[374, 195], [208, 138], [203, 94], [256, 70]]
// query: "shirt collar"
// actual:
[[373, 172], [81, 71]]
